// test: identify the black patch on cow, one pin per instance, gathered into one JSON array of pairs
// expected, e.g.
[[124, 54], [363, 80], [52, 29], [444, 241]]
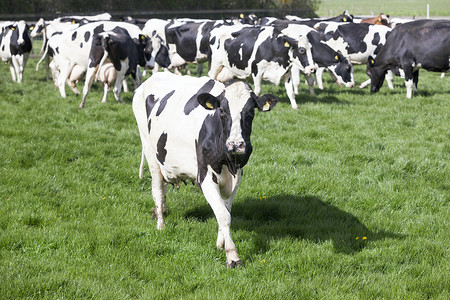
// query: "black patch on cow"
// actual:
[[87, 35], [149, 104], [353, 34], [376, 39], [74, 36], [184, 38], [81, 45], [274, 50], [214, 178], [163, 102], [3, 48], [57, 50], [213, 41], [243, 43], [192, 103], [160, 148]]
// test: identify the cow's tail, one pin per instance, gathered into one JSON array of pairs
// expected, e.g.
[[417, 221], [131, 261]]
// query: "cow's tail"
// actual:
[[43, 56]]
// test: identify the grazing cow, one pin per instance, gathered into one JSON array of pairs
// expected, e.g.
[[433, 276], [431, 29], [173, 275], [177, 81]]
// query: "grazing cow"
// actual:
[[208, 143], [15, 47], [344, 17], [340, 68], [381, 19], [356, 41], [411, 46], [262, 52]]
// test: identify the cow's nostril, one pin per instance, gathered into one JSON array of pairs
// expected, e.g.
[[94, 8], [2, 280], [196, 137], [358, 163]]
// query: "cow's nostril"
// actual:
[[236, 146]]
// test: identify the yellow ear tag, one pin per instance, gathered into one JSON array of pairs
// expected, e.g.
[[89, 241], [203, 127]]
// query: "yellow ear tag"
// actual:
[[336, 57], [241, 16], [209, 105], [286, 45], [13, 28], [32, 27], [372, 61], [379, 19], [266, 106], [344, 19], [73, 21]]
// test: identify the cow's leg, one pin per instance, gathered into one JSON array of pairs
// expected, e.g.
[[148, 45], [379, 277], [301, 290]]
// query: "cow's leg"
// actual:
[[65, 69], [415, 80], [47, 67], [117, 90], [199, 69], [319, 74], [159, 188], [407, 68], [223, 216], [105, 92], [389, 79], [90, 75], [12, 69], [365, 83], [141, 167], [310, 81], [257, 79], [295, 77], [125, 86], [289, 90]]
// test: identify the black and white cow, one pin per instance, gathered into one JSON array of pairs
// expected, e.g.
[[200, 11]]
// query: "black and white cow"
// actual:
[[262, 52], [73, 47], [124, 53], [15, 47], [356, 41], [345, 17], [209, 143], [412, 46], [340, 68]]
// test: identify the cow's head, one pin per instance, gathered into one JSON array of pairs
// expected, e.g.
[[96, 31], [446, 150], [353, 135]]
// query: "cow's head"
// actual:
[[235, 108], [37, 28], [376, 74], [20, 37], [342, 71], [300, 53], [154, 51]]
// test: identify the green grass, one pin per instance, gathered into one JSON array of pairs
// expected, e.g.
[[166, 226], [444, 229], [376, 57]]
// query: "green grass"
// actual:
[[404, 8], [346, 198]]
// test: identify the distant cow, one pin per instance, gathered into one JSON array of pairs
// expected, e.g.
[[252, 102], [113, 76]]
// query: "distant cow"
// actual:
[[355, 41], [325, 57], [15, 47], [411, 46], [381, 19], [262, 52], [198, 129]]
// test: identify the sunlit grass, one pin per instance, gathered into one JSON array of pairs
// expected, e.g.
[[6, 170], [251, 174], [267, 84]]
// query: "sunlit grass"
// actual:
[[346, 198]]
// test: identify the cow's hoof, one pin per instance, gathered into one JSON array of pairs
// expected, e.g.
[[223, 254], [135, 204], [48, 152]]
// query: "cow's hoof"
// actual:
[[233, 264]]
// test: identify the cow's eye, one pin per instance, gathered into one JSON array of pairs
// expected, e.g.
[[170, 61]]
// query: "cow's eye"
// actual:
[[301, 50]]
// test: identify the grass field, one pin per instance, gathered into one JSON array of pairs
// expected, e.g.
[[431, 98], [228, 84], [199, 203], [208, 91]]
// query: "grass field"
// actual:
[[346, 198], [404, 8]]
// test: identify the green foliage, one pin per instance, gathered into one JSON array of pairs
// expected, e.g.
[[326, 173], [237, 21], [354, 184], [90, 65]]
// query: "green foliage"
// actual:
[[346, 198]]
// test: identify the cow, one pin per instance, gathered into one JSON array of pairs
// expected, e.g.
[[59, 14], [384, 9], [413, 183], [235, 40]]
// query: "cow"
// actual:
[[412, 46], [340, 68], [73, 47], [209, 143], [356, 41], [381, 19], [124, 53], [15, 47], [261, 52], [345, 17]]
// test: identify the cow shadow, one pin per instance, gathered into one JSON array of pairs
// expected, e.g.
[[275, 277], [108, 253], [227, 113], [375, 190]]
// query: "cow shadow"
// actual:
[[300, 217], [321, 97]]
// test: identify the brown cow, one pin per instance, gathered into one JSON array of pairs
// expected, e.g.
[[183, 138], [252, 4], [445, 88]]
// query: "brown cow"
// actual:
[[381, 19]]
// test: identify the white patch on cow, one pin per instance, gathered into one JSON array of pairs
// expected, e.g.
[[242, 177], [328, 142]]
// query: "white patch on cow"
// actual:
[[409, 84]]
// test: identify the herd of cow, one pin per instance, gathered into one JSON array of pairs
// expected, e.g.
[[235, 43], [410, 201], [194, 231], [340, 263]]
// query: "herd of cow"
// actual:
[[198, 129]]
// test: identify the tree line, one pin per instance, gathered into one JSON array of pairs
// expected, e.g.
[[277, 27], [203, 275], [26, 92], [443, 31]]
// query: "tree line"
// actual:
[[55, 8]]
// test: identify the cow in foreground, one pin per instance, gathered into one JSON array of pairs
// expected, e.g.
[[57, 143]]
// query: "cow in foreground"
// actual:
[[15, 47], [198, 129], [411, 46]]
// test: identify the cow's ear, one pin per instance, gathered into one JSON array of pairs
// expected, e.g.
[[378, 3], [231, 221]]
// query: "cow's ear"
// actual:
[[208, 101], [371, 61], [288, 42], [266, 102]]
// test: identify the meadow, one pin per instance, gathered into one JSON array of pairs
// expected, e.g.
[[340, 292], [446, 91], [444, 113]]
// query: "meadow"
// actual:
[[404, 8], [345, 198]]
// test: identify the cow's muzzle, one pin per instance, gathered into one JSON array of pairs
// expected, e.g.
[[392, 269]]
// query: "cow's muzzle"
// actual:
[[236, 147]]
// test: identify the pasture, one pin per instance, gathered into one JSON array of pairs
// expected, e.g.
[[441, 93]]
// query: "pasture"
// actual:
[[346, 198]]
